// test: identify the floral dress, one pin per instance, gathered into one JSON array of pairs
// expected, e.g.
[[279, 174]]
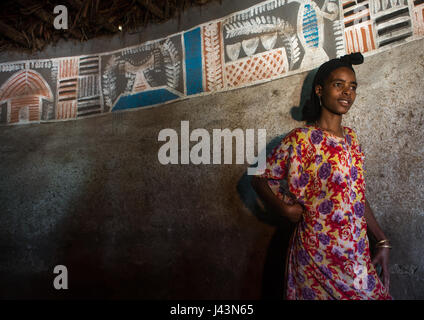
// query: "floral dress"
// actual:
[[329, 256]]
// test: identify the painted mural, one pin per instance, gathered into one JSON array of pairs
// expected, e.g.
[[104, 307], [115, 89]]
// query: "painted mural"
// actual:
[[142, 76], [270, 40], [418, 17]]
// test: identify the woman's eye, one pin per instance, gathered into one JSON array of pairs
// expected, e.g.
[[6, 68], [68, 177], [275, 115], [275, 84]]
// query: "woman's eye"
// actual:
[[353, 88]]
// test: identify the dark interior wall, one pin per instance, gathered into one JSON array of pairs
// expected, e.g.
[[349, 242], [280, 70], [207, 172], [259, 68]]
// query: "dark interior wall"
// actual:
[[186, 20], [91, 195]]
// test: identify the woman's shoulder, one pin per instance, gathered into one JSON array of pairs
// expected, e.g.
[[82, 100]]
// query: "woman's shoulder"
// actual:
[[304, 133], [351, 132], [304, 130], [297, 134], [353, 138]]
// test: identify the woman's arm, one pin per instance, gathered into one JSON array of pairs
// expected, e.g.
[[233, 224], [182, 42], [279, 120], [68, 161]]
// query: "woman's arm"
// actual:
[[292, 211], [372, 223], [382, 255]]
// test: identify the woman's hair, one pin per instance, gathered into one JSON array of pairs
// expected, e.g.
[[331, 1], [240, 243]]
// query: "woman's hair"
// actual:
[[312, 108]]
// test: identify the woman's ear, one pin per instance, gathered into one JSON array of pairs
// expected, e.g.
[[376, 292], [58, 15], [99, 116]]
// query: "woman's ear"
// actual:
[[318, 90]]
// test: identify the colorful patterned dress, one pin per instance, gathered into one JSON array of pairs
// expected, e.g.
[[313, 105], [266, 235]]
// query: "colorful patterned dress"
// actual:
[[329, 256]]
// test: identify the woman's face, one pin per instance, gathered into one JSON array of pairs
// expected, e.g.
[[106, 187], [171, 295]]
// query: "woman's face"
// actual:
[[339, 91]]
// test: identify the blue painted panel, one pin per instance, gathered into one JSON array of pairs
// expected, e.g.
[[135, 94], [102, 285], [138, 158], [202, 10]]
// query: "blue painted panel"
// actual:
[[193, 61], [144, 99], [310, 26]]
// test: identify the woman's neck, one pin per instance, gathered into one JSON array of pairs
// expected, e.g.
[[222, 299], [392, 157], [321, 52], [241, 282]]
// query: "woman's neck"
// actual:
[[331, 124]]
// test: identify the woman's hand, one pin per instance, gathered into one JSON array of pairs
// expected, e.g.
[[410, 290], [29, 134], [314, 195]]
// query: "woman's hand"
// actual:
[[293, 209], [287, 206], [382, 258], [289, 199]]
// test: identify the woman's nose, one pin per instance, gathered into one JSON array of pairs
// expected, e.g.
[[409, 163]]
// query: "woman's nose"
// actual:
[[346, 91]]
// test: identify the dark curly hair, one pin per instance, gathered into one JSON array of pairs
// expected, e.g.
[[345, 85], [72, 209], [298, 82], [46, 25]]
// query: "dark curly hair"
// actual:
[[311, 111]]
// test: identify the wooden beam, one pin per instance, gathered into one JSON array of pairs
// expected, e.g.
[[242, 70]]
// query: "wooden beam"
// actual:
[[77, 4], [167, 9], [152, 8], [13, 34], [49, 18]]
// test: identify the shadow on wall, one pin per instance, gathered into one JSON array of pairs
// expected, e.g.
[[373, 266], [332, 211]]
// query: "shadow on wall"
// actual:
[[296, 111], [111, 253], [275, 261]]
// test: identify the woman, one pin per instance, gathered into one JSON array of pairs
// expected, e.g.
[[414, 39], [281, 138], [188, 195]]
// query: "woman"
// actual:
[[329, 256]]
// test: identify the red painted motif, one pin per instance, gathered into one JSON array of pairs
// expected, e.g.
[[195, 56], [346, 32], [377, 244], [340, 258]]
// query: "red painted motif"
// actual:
[[24, 91]]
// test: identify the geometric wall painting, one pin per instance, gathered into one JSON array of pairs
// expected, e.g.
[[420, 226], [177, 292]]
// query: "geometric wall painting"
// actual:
[[145, 98], [392, 20], [261, 66], [418, 17], [296, 34], [89, 99], [66, 107], [146, 68], [23, 93], [3, 113], [193, 61], [358, 26], [257, 43], [212, 57], [339, 43], [47, 110], [260, 29], [266, 41], [373, 24], [311, 20]]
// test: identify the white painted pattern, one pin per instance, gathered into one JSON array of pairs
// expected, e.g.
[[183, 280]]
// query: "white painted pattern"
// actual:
[[257, 25], [339, 40], [293, 50], [172, 63], [212, 57], [233, 50]]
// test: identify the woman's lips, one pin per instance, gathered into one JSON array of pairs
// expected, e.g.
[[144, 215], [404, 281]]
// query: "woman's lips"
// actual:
[[344, 102]]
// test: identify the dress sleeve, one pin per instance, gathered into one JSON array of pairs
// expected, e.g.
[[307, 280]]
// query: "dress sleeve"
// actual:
[[284, 159], [358, 155]]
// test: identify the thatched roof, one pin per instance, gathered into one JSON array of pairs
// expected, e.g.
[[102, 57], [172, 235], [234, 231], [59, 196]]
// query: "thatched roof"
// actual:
[[27, 25]]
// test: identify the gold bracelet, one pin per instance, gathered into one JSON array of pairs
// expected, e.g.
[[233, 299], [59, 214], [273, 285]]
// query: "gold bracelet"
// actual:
[[382, 241], [384, 246]]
